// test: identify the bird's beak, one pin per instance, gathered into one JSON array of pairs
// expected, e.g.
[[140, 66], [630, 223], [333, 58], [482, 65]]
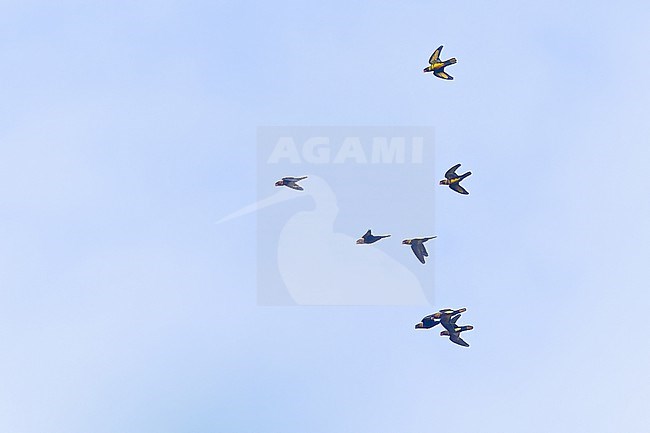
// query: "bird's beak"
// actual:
[[278, 183], [405, 241], [360, 241], [419, 325], [442, 182]]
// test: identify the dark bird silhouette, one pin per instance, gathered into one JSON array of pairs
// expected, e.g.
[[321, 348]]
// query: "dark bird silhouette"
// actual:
[[437, 66], [417, 245], [433, 319], [291, 182], [453, 180], [454, 334], [369, 238], [448, 319]]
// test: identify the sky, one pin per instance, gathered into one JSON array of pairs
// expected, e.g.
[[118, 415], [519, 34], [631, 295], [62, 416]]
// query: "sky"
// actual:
[[130, 129]]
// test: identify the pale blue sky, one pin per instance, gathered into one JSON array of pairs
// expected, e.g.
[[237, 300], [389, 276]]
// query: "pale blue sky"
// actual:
[[129, 128]]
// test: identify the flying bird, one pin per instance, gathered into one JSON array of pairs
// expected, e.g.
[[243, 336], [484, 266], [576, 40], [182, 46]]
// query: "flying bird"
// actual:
[[417, 245], [291, 182], [454, 334], [448, 319], [434, 319], [369, 238], [437, 66], [453, 180]]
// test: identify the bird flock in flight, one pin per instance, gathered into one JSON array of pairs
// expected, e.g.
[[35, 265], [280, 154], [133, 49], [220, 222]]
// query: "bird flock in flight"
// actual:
[[446, 317]]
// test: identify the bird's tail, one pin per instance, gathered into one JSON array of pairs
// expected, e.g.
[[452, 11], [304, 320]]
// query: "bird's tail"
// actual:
[[301, 178], [463, 176], [450, 61]]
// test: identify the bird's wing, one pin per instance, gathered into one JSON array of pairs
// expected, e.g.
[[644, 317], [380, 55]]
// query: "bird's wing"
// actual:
[[368, 233], [451, 173], [294, 185], [459, 189], [443, 75], [445, 319], [292, 179], [378, 238], [456, 339], [435, 56], [424, 251], [417, 252], [455, 319]]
